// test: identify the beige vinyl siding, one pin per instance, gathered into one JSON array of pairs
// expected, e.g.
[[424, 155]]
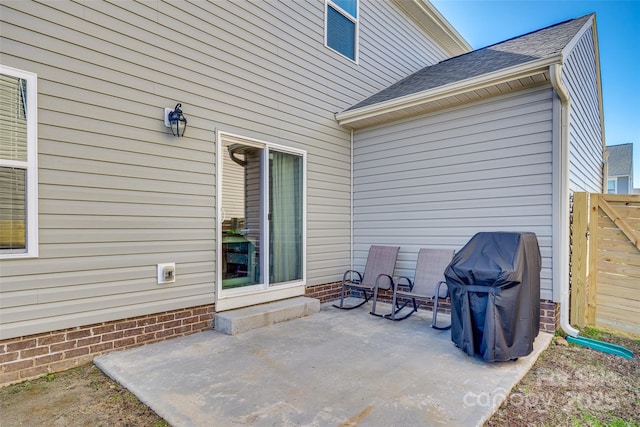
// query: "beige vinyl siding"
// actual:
[[586, 157], [234, 189], [399, 37], [118, 194], [436, 180]]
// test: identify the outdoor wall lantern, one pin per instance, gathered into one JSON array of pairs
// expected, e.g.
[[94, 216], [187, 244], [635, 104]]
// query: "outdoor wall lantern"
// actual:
[[175, 120]]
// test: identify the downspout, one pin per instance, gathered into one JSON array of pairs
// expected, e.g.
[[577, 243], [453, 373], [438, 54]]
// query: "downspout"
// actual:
[[555, 72], [351, 202]]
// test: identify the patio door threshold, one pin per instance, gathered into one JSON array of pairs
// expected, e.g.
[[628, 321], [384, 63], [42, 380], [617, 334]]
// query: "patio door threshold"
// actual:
[[230, 302]]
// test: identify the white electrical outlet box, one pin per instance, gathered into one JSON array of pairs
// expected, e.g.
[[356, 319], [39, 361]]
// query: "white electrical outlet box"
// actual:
[[166, 273]]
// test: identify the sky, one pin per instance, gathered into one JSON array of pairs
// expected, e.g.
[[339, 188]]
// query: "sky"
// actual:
[[486, 22]]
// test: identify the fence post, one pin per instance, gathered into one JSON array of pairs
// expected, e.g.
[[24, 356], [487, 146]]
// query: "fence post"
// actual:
[[592, 280], [579, 259]]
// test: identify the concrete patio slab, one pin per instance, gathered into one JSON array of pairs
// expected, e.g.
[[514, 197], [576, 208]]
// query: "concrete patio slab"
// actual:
[[333, 368]]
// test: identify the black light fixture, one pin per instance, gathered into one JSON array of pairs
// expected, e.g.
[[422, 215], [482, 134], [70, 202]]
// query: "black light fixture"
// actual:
[[175, 120]]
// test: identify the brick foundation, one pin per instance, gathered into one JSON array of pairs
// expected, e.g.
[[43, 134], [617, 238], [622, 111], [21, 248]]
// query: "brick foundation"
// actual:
[[325, 293], [33, 356], [549, 310], [549, 316]]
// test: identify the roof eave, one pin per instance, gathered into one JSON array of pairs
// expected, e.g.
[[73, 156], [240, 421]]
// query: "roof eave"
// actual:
[[351, 118], [436, 25]]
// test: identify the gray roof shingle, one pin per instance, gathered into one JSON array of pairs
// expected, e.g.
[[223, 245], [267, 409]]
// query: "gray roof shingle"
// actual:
[[519, 50]]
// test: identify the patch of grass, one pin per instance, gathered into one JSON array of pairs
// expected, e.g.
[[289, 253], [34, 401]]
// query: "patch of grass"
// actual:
[[618, 422], [130, 397], [587, 419], [49, 377], [592, 333]]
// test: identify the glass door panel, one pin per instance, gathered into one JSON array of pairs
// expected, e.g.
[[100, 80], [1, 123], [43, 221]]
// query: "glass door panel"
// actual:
[[285, 217], [241, 215]]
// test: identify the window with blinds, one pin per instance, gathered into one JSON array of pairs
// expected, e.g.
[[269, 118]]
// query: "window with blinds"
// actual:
[[341, 27], [17, 164]]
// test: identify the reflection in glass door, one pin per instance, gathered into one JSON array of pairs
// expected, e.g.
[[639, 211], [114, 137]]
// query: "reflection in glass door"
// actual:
[[241, 211]]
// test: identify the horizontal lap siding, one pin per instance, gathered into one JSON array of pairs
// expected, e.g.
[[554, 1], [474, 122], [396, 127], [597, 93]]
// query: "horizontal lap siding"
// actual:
[[119, 195], [435, 181], [586, 157]]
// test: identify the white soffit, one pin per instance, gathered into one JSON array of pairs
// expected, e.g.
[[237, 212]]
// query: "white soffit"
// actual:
[[500, 82]]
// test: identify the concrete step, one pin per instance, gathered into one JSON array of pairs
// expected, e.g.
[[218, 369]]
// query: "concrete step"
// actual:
[[244, 319]]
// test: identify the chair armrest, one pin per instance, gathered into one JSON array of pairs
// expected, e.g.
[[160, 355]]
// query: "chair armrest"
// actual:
[[437, 294], [350, 273], [409, 283], [390, 281]]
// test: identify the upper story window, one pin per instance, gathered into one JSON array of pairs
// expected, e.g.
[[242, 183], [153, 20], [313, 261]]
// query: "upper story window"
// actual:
[[341, 27], [18, 164]]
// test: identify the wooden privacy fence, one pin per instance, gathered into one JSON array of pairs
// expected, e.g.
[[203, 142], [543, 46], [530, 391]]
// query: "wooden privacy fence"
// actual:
[[605, 261]]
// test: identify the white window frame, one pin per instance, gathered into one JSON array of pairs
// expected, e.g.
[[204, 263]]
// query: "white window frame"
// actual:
[[615, 185], [30, 165], [355, 20]]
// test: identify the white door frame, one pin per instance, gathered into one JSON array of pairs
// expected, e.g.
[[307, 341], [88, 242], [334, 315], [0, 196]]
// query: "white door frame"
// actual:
[[256, 294]]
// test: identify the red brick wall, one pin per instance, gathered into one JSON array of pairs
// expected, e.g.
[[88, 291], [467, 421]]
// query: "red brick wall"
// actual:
[[549, 316], [33, 356], [325, 293], [549, 311]]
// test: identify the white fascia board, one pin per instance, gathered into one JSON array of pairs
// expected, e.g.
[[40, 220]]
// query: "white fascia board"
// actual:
[[436, 25], [576, 38], [504, 75]]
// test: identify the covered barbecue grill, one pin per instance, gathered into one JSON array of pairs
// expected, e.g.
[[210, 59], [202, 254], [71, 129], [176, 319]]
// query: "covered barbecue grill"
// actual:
[[494, 283]]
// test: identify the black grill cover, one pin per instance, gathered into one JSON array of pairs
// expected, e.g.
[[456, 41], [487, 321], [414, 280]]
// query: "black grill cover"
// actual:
[[494, 283]]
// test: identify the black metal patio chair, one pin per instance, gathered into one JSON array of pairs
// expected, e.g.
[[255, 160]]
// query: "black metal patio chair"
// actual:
[[378, 271], [426, 285]]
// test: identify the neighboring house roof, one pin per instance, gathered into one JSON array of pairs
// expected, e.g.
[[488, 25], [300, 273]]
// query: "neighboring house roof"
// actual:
[[620, 160], [525, 58]]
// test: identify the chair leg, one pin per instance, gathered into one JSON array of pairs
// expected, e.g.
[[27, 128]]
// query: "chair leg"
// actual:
[[434, 319], [394, 306], [341, 298], [342, 306], [397, 310], [375, 300], [373, 307]]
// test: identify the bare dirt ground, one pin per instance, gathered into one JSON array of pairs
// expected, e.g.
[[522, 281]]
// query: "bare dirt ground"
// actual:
[[577, 386], [568, 386], [82, 397]]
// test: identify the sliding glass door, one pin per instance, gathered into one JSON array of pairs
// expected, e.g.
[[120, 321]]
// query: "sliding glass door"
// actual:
[[262, 216]]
